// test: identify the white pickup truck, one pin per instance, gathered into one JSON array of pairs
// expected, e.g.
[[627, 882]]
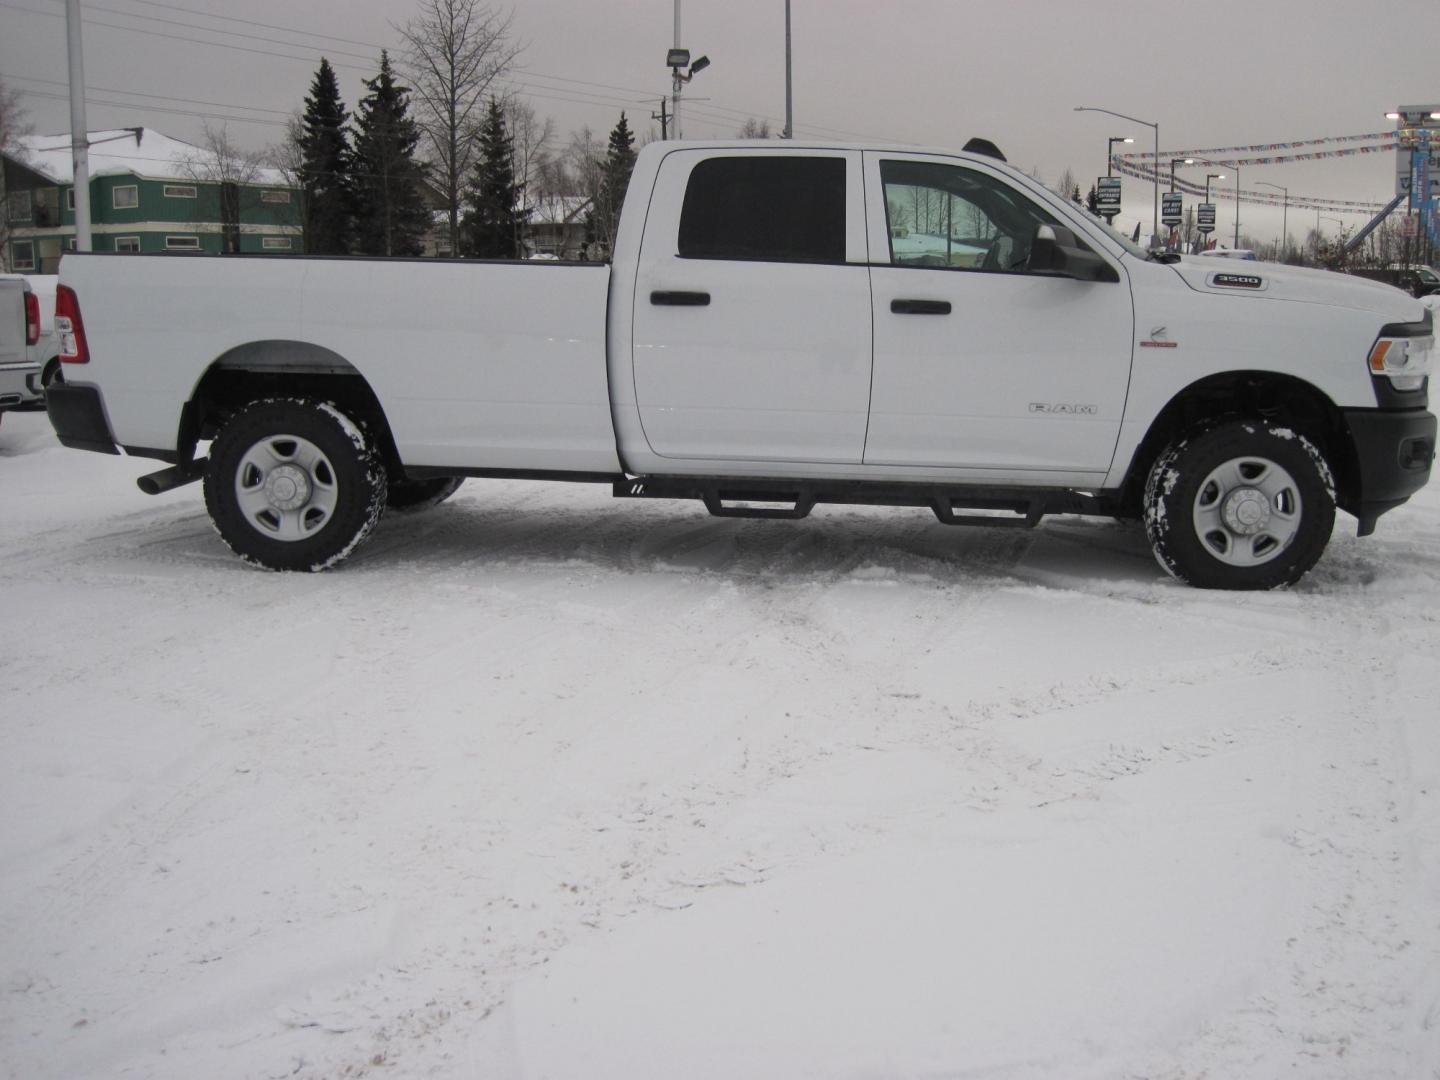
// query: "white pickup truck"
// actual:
[[21, 315], [781, 325]]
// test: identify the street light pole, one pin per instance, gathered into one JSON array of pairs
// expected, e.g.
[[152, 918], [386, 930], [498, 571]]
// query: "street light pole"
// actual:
[[1284, 216], [1110, 152], [1208, 178], [1237, 205], [1178, 161], [1155, 171]]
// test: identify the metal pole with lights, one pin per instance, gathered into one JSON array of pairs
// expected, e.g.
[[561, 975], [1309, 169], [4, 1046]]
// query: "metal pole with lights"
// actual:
[[1237, 204], [1208, 178], [1284, 215], [1155, 172], [1110, 152], [1178, 161]]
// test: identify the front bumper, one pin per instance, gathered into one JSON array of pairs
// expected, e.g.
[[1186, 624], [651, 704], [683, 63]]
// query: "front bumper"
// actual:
[[1394, 451], [77, 414]]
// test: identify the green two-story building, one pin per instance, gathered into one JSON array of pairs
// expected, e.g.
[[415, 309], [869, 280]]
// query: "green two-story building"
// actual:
[[148, 192]]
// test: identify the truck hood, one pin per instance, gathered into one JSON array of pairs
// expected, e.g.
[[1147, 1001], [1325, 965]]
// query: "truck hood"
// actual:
[[1275, 281]]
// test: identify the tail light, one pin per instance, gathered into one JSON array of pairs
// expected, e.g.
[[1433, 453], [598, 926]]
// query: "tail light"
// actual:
[[69, 327], [32, 318]]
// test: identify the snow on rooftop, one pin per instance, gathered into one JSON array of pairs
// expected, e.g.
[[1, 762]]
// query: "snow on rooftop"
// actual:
[[142, 152]]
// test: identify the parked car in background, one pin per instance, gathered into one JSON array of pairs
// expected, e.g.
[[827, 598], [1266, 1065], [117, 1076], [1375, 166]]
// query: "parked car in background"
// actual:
[[1417, 280], [19, 335]]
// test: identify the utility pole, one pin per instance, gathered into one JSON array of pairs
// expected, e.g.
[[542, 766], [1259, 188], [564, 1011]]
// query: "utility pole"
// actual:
[[678, 80], [664, 119], [79, 133], [789, 132]]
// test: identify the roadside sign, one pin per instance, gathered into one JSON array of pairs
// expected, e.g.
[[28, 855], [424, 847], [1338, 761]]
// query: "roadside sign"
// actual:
[[1205, 217], [1107, 196], [1171, 212], [1411, 228]]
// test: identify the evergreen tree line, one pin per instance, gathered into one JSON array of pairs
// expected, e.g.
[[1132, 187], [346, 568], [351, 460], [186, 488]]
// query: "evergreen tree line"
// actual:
[[363, 185]]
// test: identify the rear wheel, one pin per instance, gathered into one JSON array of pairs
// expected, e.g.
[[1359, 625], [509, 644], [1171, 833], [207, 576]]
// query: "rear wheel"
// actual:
[[293, 484], [1240, 506]]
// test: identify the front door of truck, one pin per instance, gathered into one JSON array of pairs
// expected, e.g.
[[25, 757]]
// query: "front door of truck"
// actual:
[[980, 364], [750, 338]]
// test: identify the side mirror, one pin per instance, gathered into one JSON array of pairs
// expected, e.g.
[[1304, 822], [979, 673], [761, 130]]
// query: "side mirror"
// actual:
[[1054, 250]]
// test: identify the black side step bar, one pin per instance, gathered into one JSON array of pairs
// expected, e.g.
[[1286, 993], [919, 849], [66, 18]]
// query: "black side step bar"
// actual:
[[1012, 508]]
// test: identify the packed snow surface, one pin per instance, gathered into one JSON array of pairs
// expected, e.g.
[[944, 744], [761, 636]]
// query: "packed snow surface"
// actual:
[[543, 784]]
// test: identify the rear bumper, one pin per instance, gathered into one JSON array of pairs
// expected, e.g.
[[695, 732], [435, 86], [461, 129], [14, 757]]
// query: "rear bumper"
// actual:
[[77, 413], [19, 384], [1394, 451]]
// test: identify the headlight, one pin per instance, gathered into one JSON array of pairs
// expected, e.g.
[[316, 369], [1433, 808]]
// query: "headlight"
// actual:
[[1406, 361]]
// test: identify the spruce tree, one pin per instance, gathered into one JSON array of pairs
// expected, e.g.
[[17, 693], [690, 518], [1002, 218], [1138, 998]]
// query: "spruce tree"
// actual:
[[390, 214], [619, 163], [325, 167], [493, 215]]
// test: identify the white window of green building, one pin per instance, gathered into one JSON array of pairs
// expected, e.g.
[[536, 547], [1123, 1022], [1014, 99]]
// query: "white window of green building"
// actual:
[[22, 254], [125, 197], [180, 191], [127, 243], [275, 243], [182, 243]]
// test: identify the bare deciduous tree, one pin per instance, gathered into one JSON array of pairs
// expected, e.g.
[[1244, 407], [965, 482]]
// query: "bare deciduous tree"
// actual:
[[13, 127], [455, 50], [223, 162], [754, 129]]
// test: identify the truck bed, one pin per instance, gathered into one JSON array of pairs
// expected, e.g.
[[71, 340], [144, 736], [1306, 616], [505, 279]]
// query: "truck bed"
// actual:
[[481, 365]]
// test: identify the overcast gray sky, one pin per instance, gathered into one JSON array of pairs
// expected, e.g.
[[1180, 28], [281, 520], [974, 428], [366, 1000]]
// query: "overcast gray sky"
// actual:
[[932, 72]]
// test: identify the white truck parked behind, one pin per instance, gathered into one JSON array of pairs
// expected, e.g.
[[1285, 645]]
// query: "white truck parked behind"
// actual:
[[20, 336], [781, 325]]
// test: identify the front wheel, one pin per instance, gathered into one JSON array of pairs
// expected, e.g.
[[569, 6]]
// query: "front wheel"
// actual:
[[293, 484], [1244, 505], [411, 496]]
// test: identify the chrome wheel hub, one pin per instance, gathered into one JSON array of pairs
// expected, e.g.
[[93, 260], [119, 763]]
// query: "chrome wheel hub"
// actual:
[[1247, 511], [285, 487]]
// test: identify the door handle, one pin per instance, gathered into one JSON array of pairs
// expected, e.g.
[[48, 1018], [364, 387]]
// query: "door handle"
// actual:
[[920, 307], [675, 298]]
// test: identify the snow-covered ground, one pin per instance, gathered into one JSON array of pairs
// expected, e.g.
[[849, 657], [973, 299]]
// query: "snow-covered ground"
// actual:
[[546, 784]]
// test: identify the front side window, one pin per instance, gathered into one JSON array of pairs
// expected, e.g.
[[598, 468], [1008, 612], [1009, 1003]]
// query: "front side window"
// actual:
[[946, 216], [766, 208], [125, 197]]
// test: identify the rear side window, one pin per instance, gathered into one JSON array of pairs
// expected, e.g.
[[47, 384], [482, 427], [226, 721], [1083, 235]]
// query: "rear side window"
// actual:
[[765, 209]]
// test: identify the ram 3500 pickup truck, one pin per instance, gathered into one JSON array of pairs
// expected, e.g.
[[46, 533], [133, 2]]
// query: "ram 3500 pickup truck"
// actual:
[[781, 325]]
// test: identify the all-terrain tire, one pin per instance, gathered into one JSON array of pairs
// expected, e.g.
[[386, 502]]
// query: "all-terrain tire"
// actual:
[[412, 496], [294, 484], [1242, 505]]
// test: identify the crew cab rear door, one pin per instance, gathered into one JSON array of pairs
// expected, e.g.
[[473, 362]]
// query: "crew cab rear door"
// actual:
[[980, 363], [751, 329]]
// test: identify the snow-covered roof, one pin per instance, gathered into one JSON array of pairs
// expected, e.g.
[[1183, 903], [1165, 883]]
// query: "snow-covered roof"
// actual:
[[141, 152]]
